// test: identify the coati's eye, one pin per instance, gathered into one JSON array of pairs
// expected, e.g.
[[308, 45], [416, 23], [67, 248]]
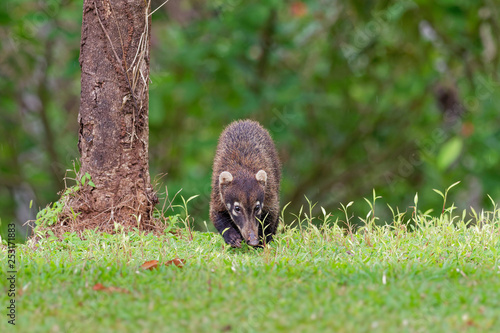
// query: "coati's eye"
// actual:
[[236, 208], [257, 207]]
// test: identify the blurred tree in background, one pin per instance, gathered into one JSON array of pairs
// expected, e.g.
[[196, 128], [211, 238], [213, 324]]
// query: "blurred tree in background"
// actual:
[[396, 96]]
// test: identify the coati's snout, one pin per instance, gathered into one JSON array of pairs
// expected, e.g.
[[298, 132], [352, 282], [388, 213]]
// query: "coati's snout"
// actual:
[[243, 196]]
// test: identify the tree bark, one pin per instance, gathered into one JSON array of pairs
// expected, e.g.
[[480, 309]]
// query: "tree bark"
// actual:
[[113, 117]]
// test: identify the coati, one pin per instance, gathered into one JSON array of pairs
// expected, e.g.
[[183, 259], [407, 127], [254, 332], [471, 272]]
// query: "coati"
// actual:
[[245, 185]]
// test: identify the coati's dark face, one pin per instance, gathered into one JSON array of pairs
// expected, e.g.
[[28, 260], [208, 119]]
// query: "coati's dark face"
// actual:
[[244, 200]]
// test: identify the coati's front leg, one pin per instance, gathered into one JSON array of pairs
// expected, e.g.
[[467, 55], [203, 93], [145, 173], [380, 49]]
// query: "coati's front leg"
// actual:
[[225, 226]]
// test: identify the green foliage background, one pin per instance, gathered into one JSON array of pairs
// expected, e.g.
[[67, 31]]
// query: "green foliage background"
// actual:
[[397, 96]]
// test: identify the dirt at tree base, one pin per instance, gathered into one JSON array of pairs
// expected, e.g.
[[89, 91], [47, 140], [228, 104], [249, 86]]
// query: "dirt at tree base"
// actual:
[[77, 216], [94, 222]]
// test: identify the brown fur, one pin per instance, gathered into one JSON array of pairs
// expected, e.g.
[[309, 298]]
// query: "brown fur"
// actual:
[[244, 149]]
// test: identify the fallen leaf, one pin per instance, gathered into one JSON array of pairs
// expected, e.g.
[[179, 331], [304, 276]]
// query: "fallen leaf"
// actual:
[[152, 264], [117, 290], [470, 322], [177, 262], [101, 287], [98, 286]]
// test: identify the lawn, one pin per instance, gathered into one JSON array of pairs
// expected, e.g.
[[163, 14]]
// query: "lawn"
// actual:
[[418, 274]]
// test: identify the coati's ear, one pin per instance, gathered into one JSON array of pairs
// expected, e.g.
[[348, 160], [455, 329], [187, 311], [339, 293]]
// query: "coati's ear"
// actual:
[[225, 178], [261, 177]]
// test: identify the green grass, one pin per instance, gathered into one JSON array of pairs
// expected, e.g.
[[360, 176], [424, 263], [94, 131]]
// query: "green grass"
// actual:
[[420, 274]]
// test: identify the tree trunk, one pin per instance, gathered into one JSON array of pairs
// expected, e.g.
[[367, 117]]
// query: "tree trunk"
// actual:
[[113, 118]]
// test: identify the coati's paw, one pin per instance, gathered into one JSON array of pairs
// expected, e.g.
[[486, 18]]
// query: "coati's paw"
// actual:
[[269, 239], [233, 238]]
